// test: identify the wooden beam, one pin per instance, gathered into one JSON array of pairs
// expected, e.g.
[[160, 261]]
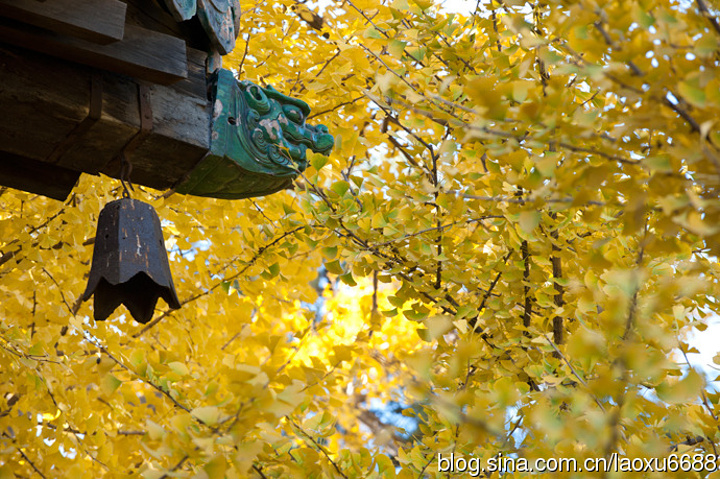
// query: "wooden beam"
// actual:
[[196, 82], [36, 177], [97, 21], [47, 98], [142, 53]]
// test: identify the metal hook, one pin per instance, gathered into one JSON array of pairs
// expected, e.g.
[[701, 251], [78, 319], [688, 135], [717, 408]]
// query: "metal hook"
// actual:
[[146, 122], [125, 172]]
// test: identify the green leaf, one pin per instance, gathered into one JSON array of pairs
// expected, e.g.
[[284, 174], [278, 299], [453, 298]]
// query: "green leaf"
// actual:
[[706, 46], [330, 252], [318, 161], [372, 32], [109, 384], [396, 48], [209, 415], [348, 279], [417, 53], [682, 392], [465, 310], [550, 57], [378, 220], [520, 90], [694, 95], [414, 315], [660, 163], [334, 267], [547, 165], [274, 269], [528, 220], [438, 326], [215, 469], [340, 187], [179, 368], [642, 18], [155, 431]]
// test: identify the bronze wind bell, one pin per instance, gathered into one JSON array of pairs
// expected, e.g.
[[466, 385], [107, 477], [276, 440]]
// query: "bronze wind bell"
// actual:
[[130, 264]]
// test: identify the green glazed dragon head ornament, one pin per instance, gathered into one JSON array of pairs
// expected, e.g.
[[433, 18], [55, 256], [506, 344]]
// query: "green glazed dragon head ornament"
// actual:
[[274, 129], [259, 141]]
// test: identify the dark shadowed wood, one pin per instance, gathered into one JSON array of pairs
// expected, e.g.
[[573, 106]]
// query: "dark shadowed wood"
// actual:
[[46, 98], [98, 21], [151, 15], [196, 82], [41, 103], [142, 53], [36, 177]]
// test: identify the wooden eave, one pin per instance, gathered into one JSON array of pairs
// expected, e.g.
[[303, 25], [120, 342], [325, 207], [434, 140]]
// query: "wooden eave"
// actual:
[[76, 77]]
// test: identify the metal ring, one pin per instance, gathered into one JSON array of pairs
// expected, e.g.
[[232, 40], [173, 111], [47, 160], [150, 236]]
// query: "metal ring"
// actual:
[[125, 172]]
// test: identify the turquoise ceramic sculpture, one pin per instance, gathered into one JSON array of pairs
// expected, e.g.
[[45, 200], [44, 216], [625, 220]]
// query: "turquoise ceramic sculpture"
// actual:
[[219, 18], [258, 144]]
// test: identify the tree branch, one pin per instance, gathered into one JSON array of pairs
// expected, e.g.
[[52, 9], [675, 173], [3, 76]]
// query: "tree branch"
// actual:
[[706, 13], [527, 314], [558, 328], [32, 464], [252, 261], [318, 447]]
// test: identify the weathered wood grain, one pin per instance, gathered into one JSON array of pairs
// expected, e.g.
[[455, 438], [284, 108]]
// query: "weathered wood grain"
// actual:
[[151, 15], [46, 98], [142, 53], [196, 82], [97, 21]]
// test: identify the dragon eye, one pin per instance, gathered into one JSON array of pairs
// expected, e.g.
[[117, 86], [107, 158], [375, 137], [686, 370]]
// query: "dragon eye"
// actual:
[[293, 113]]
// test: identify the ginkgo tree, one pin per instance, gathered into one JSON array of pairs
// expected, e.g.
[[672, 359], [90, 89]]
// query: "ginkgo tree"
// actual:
[[510, 243]]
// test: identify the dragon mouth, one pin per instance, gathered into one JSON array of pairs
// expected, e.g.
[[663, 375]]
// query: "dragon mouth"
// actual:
[[323, 144], [318, 141]]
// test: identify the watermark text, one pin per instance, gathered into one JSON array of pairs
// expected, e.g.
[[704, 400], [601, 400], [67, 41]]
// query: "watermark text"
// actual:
[[477, 467]]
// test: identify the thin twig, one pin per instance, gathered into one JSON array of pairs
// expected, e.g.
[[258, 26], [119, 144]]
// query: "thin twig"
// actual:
[[438, 228], [32, 464], [175, 468], [259, 471], [62, 295], [319, 447], [339, 105], [165, 393], [251, 262], [245, 52], [706, 13], [559, 354]]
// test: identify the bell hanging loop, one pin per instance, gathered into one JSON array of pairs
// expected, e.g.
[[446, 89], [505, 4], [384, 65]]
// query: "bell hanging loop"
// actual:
[[125, 172]]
